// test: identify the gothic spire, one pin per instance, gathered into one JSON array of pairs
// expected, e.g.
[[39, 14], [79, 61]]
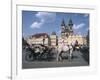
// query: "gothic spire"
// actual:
[[63, 23], [70, 23]]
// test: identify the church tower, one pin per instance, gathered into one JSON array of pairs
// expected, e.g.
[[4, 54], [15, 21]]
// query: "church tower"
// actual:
[[63, 28], [70, 27], [67, 30]]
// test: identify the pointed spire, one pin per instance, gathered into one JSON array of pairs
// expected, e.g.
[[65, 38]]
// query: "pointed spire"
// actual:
[[70, 23], [63, 23]]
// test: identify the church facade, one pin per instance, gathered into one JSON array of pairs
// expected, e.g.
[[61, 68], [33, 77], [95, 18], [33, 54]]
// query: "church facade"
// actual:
[[68, 36], [66, 30]]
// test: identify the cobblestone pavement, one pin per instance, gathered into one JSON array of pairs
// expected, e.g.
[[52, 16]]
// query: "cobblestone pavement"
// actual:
[[77, 60]]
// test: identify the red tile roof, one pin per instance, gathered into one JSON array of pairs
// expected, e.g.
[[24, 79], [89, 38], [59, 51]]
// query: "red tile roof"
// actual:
[[38, 35]]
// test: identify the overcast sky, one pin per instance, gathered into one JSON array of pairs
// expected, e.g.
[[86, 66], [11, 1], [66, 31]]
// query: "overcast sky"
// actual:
[[37, 22]]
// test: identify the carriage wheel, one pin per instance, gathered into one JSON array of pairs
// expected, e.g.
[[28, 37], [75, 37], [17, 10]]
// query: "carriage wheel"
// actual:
[[29, 56]]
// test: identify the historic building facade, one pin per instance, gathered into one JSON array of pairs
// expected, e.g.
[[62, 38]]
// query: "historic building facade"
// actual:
[[66, 30], [66, 37], [53, 39], [39, 38]]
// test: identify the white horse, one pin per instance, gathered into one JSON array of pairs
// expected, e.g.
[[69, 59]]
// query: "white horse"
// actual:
[[64, 49]]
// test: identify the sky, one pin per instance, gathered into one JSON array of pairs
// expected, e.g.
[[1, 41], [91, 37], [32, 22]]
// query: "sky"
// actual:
[[47, 22]]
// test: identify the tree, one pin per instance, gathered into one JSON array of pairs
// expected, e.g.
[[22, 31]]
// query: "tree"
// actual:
[[24, 42]]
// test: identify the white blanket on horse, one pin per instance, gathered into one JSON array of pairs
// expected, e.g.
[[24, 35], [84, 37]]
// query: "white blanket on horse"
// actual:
[[63, 48]]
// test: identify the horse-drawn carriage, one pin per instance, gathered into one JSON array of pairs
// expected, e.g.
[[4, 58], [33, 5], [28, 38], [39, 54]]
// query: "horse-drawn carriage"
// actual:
[[42, 52], [38, 52]]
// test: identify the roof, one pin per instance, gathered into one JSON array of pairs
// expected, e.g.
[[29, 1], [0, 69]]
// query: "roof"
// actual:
[[38, 35], [53, 33], [70, 22], [63, 23]]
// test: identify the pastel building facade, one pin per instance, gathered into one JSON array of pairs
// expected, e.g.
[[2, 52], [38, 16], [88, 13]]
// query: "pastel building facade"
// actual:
[[39, 38], [66, 37]]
